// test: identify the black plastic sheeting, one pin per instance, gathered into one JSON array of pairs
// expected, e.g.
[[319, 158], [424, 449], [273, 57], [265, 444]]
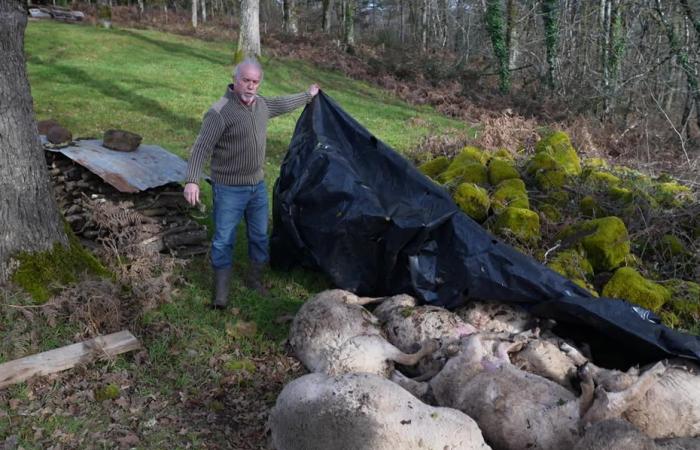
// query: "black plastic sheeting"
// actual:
[[350, 206]]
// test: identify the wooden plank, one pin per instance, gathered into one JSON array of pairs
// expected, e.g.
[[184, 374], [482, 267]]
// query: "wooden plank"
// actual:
[[66, 357]]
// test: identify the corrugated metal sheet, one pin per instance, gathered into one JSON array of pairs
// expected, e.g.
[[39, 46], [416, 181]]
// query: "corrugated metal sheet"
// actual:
[[146, 167]]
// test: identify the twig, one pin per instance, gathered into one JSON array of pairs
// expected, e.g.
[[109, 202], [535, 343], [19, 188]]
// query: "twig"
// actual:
[[680, 136]]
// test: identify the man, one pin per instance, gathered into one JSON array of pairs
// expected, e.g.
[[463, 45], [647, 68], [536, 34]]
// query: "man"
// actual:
[[233, 133]]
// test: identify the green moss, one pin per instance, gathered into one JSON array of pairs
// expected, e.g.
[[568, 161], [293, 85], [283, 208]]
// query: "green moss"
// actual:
[[43, 274], [473, 200], [466, 172], [558, 146], [621, 194], [434, 167], [504, 153], [551, 212], [521, 223], [589, 207], [673, 195], [510, 192], [541, 162], [602, 180], [684, 302], [108, 392], [239, 365], [598, 163], [672, 246], [574, 266], [605, 241], [407, 311], [628, 284], [550, 180], [501, 169], [471, 154], [670, 319]]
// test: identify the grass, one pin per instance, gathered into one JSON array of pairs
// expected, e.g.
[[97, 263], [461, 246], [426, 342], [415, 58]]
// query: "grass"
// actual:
[[160, 85]]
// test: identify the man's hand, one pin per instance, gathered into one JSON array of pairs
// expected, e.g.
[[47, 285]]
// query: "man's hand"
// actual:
[[313, 90], [192, 193]]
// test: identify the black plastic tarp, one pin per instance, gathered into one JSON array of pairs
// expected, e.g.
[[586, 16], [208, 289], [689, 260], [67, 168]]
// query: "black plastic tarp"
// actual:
[[350, 206]]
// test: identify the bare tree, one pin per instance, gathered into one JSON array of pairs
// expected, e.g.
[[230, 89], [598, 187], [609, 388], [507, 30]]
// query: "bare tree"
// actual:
[[29, 217], [327, 15], [194, 13]]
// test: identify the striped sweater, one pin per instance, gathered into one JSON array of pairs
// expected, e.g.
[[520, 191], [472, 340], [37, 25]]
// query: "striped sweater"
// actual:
[[234, 135]]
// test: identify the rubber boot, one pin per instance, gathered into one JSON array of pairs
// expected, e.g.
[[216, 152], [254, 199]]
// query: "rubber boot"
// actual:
[[254, 279], [222, 284]]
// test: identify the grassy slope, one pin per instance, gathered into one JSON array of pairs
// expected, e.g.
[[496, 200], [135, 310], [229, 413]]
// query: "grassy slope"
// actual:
[[159, 86]]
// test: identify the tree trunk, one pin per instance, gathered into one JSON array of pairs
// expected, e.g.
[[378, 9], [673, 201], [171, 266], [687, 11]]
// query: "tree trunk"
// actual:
[[511, 32], [349, 26], [327, 15], [29, 217], [104, 13], [291, 24], [194, 14], [204, 10], [551, 36], [495, 27], [249, 36]]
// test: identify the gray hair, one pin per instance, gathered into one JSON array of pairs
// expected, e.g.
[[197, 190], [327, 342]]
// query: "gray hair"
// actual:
[[251, 62]]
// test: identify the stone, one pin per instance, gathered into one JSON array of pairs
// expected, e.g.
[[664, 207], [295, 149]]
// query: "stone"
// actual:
[[59, 135], [120, 140], [45, 125], [630, 285]]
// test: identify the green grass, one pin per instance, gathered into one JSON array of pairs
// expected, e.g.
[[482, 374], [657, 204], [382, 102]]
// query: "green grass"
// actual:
[[159, 85]]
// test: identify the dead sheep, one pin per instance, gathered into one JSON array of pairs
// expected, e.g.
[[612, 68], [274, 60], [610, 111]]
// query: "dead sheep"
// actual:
[[497, 317], [334, 334], [519, 410], [620, 434], [669, 409], [364, 411], [408, 324]]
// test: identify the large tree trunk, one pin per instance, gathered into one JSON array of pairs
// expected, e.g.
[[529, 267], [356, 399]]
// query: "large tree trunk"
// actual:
[[194, 13], [249, 36], [327, 14], [29, 218], [291, 24]]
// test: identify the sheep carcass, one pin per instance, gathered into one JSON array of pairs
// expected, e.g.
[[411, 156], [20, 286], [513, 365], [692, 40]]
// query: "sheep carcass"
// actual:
[[334, 334], [669, 409], [364, 411], [516, 409]]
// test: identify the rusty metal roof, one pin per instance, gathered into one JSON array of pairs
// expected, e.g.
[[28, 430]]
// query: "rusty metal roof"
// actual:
[[144, 168]]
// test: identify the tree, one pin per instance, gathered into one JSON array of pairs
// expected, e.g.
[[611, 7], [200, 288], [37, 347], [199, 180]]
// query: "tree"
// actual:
[[327, 13], [495, 27], [291, 24], [29, 217], [249, 36], [194, 14]]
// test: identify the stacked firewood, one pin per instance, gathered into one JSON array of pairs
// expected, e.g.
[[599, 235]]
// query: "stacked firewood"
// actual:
[[150, 221]]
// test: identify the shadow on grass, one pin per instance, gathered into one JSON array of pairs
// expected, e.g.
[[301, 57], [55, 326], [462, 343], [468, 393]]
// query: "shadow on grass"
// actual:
[[138, 102], [178, 49]]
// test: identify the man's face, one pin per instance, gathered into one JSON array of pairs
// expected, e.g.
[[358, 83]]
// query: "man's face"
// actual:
[[247, 83]]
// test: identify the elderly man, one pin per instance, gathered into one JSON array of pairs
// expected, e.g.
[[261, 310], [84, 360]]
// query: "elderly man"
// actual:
[[233, 133]]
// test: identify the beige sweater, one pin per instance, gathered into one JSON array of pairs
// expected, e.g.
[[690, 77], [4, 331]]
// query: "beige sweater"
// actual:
[[234, 135]]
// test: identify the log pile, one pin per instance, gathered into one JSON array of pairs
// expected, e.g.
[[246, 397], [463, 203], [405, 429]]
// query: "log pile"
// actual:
[[154, 220]]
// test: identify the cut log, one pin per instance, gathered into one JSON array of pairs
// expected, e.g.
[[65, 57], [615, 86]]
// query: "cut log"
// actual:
[[66, 357]]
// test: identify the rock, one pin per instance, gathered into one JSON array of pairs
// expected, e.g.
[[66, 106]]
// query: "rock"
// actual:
[[672, 194], [574, 266], [120, 140], [59, 135], [684, 303], [628, 284], [605, 241], [500, 169], [589, 207], [522, 223], [434, 167], [510, 192], [473, 200], [558, 146], [465, 172], [45, 125]]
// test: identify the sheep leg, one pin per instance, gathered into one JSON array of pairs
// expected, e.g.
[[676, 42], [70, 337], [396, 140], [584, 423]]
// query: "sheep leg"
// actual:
[[410, 359], [419, 389], [587, 389]]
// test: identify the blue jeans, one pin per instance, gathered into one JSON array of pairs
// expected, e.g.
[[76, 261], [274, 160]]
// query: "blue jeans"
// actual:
[[231, 204]]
